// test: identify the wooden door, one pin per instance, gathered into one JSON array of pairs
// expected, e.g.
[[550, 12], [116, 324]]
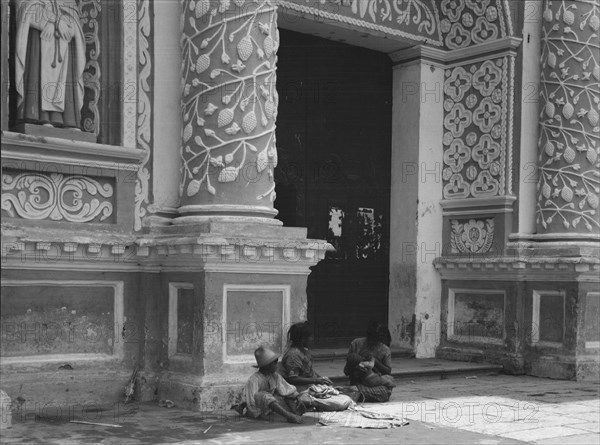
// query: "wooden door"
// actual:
[[334, 141]]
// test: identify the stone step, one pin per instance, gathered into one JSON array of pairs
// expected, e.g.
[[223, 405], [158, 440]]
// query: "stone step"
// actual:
[[334, 353], [413, 369]]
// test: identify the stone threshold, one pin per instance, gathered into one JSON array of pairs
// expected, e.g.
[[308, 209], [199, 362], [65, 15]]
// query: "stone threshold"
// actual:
[[404, 368], [333, 353]]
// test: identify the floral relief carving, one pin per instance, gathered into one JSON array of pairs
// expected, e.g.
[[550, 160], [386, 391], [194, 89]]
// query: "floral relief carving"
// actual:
[[473, 236], [486, 151], [458, 37], [89, 11], [407, 13], [485, 185], [456, 187], [36, 196], [467, 22], [569, 144], [452, 9], [479, 6], [458, 84], [487, 115], [457, 119], [143, 131], [488, 77], [484, 31], [475, 142], [456, 156], [450, 23], [229, 98]]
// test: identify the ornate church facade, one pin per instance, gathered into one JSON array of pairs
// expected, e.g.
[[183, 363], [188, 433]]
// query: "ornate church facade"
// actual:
[[237, 166]]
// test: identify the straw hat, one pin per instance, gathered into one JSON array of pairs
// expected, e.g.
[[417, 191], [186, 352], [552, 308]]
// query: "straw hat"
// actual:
[[264, 356]]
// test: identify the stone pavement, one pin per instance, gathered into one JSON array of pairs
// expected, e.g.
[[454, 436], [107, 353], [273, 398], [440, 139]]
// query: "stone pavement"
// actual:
[[525, 408], [483, 410]]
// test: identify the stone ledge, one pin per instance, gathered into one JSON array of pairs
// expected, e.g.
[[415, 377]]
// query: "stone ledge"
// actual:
[[496, 204], [52, 362], [71, 134], [445, 57], [520, 268], [37, 248], [42, 150]]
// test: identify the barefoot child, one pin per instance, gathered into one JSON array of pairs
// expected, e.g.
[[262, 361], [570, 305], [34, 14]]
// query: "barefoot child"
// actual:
[[267, 391]]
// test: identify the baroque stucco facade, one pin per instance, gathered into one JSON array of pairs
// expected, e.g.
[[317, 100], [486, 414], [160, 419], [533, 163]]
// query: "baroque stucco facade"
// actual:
[[170, 230]]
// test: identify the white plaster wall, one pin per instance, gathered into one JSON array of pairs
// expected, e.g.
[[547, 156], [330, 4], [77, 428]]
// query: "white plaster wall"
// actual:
[[528, 171], [416, 216], [429, 214], [403, 199], [167, 96]]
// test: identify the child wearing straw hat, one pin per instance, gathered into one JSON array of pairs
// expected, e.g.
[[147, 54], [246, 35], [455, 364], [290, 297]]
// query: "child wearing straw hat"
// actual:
[[267, 392]]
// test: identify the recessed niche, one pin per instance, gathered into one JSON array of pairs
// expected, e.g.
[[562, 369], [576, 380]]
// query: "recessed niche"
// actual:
[[476, 315], [58, 318]]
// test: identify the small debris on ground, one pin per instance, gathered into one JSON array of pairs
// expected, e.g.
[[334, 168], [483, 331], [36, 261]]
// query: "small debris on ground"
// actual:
[[96, 423], [166, 403]]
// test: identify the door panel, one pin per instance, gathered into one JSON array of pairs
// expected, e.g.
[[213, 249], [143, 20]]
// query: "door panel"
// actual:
[[334, 140]]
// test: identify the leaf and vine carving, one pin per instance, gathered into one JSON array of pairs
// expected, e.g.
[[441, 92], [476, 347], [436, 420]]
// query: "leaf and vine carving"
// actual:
[[569, 156], [229, 97]]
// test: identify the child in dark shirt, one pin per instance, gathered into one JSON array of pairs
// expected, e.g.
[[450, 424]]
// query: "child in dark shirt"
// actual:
[[362, 369]]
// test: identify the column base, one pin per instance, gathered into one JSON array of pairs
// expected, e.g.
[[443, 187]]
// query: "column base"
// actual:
[[241, 285], [192, 214], [539, 302], [202, 219], [188, 391]]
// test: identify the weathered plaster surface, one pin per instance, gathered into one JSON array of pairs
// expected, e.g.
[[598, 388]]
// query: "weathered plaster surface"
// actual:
[[167, 106], [429, 212], [416, 219], [529, 105], [404, 202], [80, 378]]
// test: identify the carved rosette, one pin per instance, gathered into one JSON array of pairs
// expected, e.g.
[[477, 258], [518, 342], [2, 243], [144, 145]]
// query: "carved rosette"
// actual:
[[229, 106], [569, 143], [473, 236]]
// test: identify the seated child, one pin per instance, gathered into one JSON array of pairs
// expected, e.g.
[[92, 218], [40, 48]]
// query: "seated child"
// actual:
[[362, 368], [267, 391]]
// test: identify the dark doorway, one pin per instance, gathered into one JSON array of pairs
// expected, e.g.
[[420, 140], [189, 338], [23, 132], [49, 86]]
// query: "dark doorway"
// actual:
[[334, 142]]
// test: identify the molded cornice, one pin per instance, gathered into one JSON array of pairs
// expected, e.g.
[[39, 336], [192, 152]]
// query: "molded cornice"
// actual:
[[442, 57]]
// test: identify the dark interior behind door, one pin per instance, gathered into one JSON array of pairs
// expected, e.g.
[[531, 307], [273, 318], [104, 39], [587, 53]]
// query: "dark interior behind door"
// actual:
[[334, 141]]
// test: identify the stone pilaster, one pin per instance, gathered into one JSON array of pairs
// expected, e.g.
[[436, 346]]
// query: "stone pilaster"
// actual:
[[229, 107], [569, 142], [416, 189]]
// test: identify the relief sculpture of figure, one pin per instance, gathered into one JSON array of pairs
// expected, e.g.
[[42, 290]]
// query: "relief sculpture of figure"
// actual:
[[49, 63]]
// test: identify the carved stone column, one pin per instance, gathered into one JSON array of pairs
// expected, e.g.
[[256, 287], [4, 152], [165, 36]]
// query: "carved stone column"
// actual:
[[229, 106], [569, 143]]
